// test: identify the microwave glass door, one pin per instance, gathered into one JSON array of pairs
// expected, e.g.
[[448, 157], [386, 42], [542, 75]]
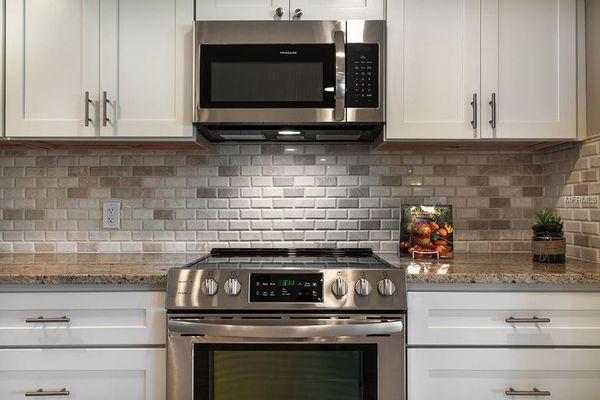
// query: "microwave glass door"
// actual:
[[285, 371], [267, 76]]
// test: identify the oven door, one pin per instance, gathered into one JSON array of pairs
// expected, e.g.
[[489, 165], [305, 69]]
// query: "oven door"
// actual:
[[297, 358], [265, 72]]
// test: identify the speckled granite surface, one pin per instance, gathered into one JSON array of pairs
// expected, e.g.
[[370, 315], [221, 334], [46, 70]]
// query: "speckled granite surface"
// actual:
[[496, 268], [151, 269]]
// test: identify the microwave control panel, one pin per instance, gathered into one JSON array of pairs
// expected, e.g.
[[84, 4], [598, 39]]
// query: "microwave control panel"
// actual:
[[362, 75], [286, 288]]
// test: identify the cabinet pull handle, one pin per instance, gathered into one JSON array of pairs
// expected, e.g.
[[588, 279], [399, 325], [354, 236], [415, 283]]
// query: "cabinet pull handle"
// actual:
[[534, 392], [474, 105], [42, 392], [533, 320], [87, 101], [44, 320], [493, 106], [105, 102], [298, 13], [279, 12]]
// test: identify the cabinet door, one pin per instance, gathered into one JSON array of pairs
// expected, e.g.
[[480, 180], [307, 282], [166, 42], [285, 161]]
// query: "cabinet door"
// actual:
[[1, 69], [51, 62], [87, 374], [529, 60], [224, 10], [146, 68], [433, 69], [486, 374], [338, 9]]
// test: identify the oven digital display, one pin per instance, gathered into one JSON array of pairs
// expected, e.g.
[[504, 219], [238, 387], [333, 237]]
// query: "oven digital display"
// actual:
[[286, 288]]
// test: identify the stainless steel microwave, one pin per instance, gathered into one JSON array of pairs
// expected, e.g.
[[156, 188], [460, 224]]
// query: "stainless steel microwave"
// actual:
[[289, 81]]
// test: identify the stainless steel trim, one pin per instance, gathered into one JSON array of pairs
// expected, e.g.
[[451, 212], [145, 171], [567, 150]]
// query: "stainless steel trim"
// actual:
[[285, 329], [87, 101], [533, 320], [474, 105], [493, 105], [340, 75], [533, 392], [105, 102], [42, 392], [44, 320]]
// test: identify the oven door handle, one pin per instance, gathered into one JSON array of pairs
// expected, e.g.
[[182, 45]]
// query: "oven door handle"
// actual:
[[340, 75], [294, 330]]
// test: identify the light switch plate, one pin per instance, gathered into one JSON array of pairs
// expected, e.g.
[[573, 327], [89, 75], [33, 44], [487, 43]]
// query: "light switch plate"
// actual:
[[111, 215]]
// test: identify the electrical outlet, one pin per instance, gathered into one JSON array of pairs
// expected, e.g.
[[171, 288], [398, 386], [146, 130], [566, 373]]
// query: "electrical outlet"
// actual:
[[111, 215]]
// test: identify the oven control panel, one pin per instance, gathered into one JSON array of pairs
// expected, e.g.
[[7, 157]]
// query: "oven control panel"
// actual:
[[286, 288], [362, 75]]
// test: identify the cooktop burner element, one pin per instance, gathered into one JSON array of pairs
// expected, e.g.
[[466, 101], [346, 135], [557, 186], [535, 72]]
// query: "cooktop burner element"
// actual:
[[308, 279]]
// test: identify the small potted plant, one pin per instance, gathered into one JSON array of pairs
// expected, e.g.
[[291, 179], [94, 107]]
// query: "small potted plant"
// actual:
[[548, 244]]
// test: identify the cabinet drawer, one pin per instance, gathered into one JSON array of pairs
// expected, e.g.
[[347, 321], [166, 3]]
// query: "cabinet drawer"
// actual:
[[459, 318], [81, 319], [86, 374], [486, 374]]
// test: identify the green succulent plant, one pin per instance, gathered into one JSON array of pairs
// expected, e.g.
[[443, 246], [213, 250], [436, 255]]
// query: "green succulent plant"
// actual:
[[547, 222]]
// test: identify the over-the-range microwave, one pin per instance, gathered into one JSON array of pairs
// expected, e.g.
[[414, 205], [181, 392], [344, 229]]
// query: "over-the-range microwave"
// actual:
[[289, 81]]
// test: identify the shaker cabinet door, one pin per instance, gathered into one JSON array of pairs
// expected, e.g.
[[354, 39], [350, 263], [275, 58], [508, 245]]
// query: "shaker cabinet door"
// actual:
[[529, 61], [337, 9], [146, 68], [249, 10], [433, 69], [52, 62]]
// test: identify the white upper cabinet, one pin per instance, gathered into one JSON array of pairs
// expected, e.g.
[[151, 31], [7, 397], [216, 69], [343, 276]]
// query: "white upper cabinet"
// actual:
[[52, 61], [522, 53], [146, 68], [1, 68], [223, 10], [433, 69], [529, 58], [337, 9]]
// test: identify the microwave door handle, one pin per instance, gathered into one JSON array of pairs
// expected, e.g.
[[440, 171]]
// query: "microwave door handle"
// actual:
[[298, 331], [340, 75]]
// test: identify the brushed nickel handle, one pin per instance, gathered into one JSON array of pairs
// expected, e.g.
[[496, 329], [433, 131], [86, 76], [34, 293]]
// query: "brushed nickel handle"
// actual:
[[533, 392], [105, 103], [474, 105], [298, 13], [493, 106], [532, 320], [42, 392], [44, 320], [279, 12], [87, 101]]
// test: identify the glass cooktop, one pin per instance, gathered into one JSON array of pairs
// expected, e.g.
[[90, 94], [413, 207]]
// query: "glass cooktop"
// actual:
[[315, 259]]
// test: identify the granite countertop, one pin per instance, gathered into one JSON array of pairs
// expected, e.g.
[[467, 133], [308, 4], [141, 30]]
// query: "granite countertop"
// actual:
[[151, 269]]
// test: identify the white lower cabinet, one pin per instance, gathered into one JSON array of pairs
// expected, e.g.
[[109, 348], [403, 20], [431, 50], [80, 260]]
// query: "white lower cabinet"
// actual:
[[488, 374], [86, 374]]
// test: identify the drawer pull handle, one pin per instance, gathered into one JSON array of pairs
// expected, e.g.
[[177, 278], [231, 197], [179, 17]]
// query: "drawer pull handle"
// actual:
[[42, 392], [534, 392], [44, 320], [533, 320]]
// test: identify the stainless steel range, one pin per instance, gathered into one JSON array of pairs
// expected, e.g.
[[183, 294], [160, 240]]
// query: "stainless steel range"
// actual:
[[270, 324]]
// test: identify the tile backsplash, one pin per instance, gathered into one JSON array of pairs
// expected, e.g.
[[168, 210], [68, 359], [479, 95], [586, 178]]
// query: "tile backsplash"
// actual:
[[263, 195]]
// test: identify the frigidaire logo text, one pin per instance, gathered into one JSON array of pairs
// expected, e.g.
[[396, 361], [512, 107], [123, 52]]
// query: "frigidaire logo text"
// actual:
[[288, 53]]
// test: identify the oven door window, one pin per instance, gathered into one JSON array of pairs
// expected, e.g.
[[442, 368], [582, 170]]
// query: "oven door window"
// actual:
[[267, 76], [285, 372]]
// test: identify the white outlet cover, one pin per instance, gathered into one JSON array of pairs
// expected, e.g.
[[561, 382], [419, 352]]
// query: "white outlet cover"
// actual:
[[111, 215]]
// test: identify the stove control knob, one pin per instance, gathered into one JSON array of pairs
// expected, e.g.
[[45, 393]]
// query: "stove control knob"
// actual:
[[363, 287], [209, 287], [386, 287], [339, 287], [232, 287]]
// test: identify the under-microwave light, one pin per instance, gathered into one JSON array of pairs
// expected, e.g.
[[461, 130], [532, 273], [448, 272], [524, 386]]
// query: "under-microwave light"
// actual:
[[289, 133], [330, 89]]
